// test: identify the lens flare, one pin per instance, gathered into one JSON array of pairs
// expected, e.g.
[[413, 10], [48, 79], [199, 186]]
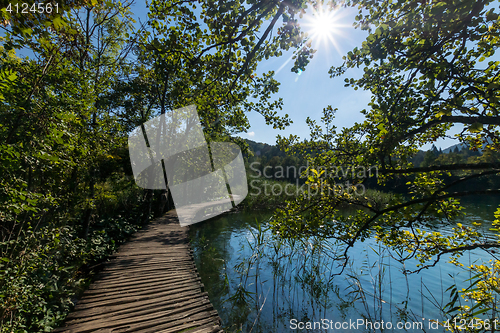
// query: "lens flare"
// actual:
[[323, 27]]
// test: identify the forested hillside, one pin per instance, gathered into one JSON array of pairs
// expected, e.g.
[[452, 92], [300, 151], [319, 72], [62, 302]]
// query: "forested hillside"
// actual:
[[282, 166]]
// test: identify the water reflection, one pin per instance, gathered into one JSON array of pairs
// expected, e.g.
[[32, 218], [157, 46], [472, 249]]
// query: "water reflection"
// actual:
[[260, 284]]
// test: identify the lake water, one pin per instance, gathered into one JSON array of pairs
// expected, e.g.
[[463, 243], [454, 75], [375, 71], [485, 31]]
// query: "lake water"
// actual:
[[260, 285]]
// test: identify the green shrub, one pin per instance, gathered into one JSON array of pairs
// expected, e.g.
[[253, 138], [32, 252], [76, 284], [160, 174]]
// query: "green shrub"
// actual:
[[43, 271], [269, 193]]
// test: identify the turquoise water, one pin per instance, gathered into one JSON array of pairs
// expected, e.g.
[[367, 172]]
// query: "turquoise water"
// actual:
[[260, 285]]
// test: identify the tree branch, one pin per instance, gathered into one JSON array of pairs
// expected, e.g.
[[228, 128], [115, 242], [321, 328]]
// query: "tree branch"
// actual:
[[450, 167], [493, 120]]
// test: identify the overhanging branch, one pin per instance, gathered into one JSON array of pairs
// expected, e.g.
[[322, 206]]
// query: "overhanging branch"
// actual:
[[487, 120], [450, 167]]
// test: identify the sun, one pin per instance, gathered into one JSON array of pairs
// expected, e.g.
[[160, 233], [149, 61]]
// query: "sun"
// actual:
[[323, 26]]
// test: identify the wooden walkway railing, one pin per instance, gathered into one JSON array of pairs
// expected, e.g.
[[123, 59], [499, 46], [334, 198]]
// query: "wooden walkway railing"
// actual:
[[150, 285]]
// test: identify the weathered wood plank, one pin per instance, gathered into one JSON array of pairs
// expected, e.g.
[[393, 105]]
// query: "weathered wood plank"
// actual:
[[141, 289], [158, 270], [119, 283], [151, 270], [146, 320], [210, 328], [138, 305], [170, 277], [144, 262], [83, 304], [138, 310]]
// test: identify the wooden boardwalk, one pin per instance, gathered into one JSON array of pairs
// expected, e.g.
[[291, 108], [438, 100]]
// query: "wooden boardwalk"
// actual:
[[151, 285]]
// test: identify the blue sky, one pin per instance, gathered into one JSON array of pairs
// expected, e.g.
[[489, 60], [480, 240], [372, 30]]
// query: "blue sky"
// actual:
[[306, 95]]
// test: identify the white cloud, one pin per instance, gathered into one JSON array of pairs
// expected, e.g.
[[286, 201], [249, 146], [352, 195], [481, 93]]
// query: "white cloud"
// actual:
[[251, 134]]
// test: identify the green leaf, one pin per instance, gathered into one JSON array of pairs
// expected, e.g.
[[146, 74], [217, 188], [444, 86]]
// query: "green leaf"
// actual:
[[476, 127], [58, 22]]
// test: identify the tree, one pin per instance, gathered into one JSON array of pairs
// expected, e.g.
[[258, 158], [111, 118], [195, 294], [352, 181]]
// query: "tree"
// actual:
[[101, 44], [54, 112], [206, 53], [55, 133], [429, 67]]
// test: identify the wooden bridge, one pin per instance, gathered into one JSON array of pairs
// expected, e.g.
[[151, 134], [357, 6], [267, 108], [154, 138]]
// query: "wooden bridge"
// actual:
[[151, 285]]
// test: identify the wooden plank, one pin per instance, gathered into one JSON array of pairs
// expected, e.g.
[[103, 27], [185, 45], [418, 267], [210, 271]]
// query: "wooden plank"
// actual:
[[181, 323], [138, 310], [150, 252], [120, 264], [142, 288], [194, 321], [160, 274], [128, 260], [143, 320], [160, 269], [168, 277], [209, 328], [119, 283], [174, 323], [138, 305], [84, 303], [152, 270]]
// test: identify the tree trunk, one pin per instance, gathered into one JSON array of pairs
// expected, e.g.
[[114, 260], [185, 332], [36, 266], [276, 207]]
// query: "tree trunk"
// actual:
[[147, 206], [88, 212]]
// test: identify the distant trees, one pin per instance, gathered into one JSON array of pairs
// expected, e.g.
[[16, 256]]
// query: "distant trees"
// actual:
[[276, 163]]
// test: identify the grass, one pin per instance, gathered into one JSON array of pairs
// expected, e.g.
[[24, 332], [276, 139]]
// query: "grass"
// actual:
[[269, 193]]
